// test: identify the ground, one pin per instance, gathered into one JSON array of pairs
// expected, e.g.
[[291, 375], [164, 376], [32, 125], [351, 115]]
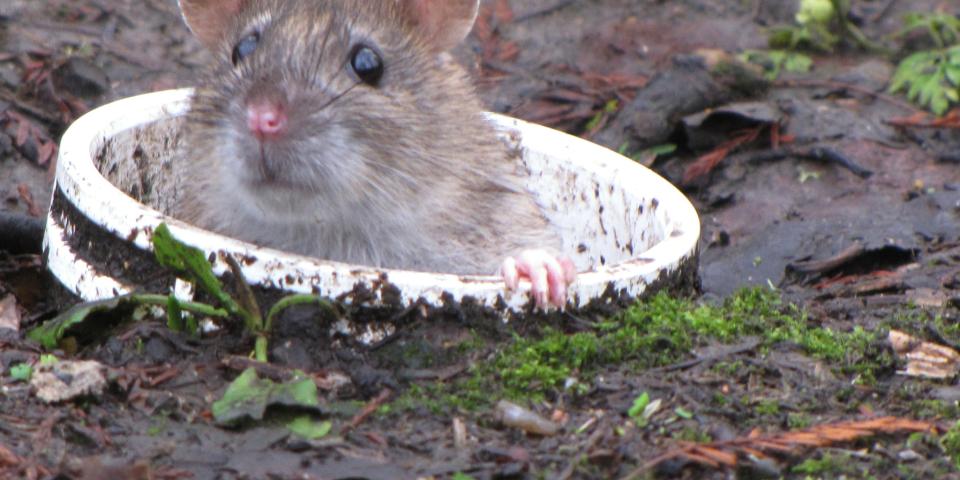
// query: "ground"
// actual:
[[842, 220]]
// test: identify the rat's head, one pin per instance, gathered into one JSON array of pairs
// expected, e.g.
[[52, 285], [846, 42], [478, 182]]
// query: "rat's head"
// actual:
[[338, 99]]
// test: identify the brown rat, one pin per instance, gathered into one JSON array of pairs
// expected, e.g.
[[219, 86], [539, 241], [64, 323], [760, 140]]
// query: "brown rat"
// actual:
[[341, 130]]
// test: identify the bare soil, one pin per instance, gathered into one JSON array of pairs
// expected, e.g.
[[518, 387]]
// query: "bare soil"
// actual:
[[855, 220]]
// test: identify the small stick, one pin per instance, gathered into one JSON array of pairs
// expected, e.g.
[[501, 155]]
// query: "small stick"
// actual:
[[367, 410]]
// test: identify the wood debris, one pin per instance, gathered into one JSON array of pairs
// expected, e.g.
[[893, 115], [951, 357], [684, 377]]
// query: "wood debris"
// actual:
[[759, 446], [924, 359]]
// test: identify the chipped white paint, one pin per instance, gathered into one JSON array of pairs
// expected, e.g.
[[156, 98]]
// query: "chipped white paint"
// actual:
[[623, 223]]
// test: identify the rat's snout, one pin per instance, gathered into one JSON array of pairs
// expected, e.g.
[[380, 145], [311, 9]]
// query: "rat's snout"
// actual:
[[266, 119]]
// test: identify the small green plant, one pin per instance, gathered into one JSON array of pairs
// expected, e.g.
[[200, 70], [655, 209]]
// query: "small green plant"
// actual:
[[21, 372], [642, 409], [931, 78], [767, 407], [248, 397], [797, 421], [608, 109], [820, 25], [827, 465], [774, 62], [951, 443], [689, 434], [190, 263]]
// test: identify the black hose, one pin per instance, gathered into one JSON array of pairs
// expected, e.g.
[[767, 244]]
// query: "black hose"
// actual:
[[20, 234]]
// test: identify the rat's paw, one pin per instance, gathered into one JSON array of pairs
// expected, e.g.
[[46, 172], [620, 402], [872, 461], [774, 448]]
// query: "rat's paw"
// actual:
[[549, 276]]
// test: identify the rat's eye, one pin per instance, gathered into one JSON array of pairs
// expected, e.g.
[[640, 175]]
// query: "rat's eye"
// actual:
[[367, 64], [245, 47]]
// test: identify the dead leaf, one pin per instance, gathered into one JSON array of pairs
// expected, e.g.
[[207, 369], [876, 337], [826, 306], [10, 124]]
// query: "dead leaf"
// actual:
[[924, 359], [65, 380], [9, 315], [705, 163]]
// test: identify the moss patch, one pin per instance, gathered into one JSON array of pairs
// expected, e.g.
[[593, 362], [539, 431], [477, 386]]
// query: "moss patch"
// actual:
[[653, 333]]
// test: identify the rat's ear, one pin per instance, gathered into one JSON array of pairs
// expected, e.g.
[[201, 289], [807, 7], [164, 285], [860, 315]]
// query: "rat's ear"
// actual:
[[209, 19], [443, 23]]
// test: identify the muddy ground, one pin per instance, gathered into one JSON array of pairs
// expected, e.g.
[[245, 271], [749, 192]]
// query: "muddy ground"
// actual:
[[854, 219]]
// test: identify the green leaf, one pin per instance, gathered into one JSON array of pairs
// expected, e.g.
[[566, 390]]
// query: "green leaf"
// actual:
[[653, 152], [191, 262], [939, 104], [797, 63], [248, 397], [929, 78], [683, 413], [22, 372], [51, 332], [293, 300], [815, 11], [639, 405], [309, 429], [774, 61], [174, 314], [953, 75]]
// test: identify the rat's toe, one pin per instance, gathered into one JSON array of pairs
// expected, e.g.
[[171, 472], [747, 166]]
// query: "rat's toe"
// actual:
[[510, 273], [549, 276]]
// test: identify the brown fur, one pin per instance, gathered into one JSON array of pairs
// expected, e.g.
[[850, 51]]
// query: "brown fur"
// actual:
[[407, 174]]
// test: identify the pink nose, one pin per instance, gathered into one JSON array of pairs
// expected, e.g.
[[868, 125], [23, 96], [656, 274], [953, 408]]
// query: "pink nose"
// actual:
[[266, 120]]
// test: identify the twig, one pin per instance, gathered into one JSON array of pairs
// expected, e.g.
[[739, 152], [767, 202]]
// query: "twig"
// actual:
[[746, 346], [845, 86], [367, 410], [577, 460], [826, 154], [820, 266], [273, 372], [544, 11], [881, 13]]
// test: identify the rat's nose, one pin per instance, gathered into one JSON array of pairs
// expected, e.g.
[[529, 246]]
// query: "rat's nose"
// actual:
[[266, 120]]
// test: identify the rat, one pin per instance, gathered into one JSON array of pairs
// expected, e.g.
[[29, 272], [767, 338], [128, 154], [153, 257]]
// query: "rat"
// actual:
[[343, 130]]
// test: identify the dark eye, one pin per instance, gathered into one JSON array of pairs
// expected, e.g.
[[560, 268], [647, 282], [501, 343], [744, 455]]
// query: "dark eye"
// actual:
[[245, 47], [367, 64]]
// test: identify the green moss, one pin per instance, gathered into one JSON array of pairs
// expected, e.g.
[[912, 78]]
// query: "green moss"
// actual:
[[930, 408], [767, 407], [657, 332], [829, 465], [798, 421], [691, 434], [545, 363], [951, 443]]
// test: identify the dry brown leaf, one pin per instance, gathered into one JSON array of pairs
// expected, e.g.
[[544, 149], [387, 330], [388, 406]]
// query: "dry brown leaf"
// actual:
[[9, 315], [924, 359], [705, 163]]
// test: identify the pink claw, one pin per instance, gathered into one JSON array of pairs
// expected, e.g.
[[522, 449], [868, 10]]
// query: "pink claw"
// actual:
[[549, 276]]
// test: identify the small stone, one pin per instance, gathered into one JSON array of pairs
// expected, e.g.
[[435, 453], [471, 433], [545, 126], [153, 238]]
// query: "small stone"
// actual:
[[946, 394], [908, 456]]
